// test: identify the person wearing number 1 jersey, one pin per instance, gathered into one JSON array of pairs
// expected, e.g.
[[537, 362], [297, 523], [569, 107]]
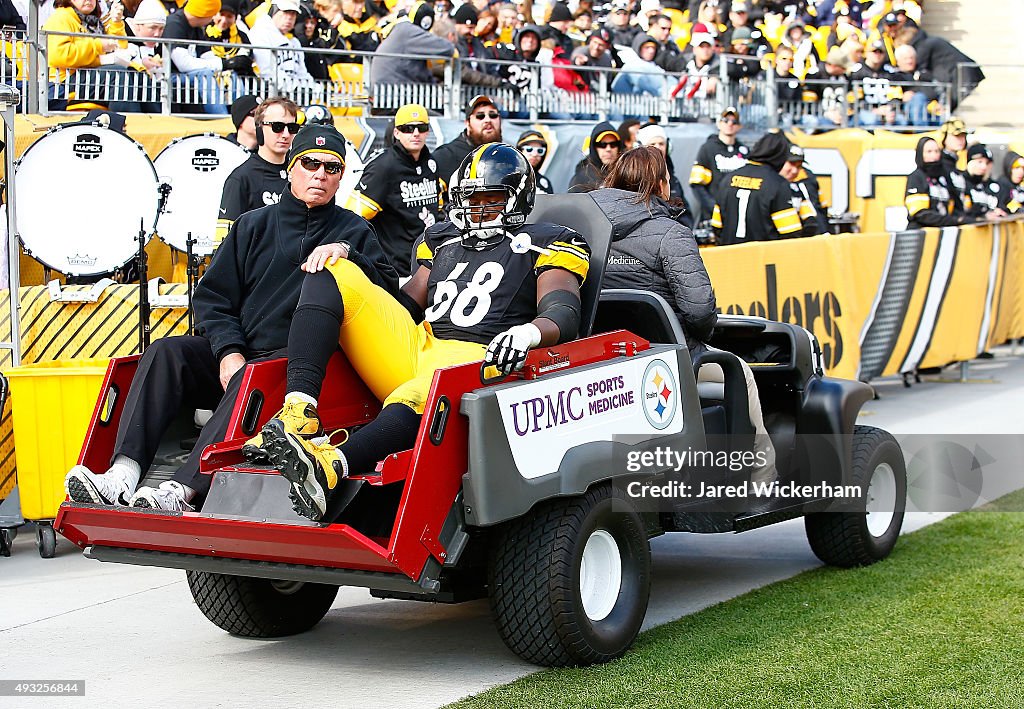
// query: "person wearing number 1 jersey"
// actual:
[[486, 285], [753, 203]]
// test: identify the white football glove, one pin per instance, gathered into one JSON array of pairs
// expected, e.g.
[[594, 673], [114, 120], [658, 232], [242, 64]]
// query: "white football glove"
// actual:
[[507, 351]]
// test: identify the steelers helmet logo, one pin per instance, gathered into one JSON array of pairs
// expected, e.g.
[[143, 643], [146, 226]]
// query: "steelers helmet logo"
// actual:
[[660, 395]]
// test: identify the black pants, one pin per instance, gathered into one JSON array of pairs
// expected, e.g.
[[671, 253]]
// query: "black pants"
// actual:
[[177, 373]]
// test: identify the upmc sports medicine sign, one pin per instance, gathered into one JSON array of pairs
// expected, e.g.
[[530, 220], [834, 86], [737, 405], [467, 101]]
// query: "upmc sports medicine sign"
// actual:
[[547, 417]]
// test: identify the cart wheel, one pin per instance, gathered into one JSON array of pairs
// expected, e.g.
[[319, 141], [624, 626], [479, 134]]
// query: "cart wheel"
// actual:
[[46, 540], [7, 540]]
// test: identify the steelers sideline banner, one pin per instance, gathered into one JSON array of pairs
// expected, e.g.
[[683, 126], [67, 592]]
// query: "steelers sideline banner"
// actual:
[[53, 330], [887, 303]]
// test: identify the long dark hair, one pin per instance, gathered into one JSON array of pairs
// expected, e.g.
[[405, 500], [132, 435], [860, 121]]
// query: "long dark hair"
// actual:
[[641, 170]]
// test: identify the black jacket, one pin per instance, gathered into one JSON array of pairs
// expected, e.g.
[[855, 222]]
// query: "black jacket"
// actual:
[[400, 196], [1011, 195], [590, 172], [450, 155], [245, 301], [930, 198], [652, 251]]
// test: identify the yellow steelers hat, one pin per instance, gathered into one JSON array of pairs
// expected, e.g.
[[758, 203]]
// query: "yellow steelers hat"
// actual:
[[202, 8], [411, 113]]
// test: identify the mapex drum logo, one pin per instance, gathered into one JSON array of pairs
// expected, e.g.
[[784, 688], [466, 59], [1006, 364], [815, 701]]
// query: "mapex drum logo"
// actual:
[[87, 146], [660, 394], [205, 160]]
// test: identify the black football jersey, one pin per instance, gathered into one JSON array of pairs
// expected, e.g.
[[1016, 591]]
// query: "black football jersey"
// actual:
[[754, 205], [253, 184], [714, 159], [475, 295]]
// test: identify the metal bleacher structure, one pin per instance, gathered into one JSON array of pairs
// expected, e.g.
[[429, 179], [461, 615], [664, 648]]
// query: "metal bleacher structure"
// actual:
[[350, 90]]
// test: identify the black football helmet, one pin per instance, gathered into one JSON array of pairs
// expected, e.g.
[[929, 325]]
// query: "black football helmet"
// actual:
[[494, 167]]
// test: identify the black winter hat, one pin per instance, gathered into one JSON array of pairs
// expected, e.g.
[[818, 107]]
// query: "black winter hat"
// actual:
[[466, 14], [242, 107], [316, 138], [978, 150], [772, 150], [560, 13]]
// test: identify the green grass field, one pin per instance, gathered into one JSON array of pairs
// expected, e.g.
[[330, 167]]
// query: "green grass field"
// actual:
[[938, 624]]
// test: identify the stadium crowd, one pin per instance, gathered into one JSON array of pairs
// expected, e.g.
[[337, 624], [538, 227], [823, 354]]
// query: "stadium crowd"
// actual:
[[831, 62]]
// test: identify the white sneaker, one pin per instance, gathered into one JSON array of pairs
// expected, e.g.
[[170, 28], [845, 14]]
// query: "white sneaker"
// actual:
[[169, 496], [109, 488]]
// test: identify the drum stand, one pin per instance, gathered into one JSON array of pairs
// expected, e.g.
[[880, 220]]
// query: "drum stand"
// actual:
[[191, 274], [142, 263]]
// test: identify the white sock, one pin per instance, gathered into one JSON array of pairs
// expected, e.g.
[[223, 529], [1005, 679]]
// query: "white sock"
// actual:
[[128, 469], [301, 397], [183, 491]]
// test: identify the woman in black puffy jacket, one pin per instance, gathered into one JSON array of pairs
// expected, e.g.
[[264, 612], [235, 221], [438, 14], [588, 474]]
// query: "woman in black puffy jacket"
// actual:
[[651, 250]]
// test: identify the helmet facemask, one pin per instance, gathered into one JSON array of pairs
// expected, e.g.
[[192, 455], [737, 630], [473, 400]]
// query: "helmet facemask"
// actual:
[[484, 226]]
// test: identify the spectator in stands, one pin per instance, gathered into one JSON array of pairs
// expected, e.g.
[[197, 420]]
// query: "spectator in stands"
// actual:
[[742, 64], [920, 103], [623, 33], [508, 23], [143, 56], [534, 146], [260, 180], [472, 50], [195, 67], [1011, 185], [720, 154], [701, 80], [355, 22], [627, 131], [306, 31], [669, 57], [800, 41], [983, 191], [604, 149], [66, 54], [639, 74], [753, 203], [654, 136], [234, 54], [881, 98], [595, 54], [244, 304], [943, 60], [243, 116], [398, 190], [832, 86], [930, 197], [812, 218], [286, 66], [525, 51], [650, 249], [558, 26], [410, 33], [582, 26], [789, 90], [854, 50], [483, 125], [739, 16]]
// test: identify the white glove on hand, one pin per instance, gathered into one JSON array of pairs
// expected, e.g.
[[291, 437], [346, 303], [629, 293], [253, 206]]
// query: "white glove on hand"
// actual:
[[507, 351]]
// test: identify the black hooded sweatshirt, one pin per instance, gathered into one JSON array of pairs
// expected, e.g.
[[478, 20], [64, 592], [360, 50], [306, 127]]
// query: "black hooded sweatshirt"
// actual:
[[590, 172], [245, 301], [930, 198], [1011, 195]]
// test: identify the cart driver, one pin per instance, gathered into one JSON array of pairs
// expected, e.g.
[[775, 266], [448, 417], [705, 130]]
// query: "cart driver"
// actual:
[[486, 286]]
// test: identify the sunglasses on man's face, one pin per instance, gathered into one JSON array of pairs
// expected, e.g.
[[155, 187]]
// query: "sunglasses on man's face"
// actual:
[[414, 128], [278, 126], [609, 144], [312, 165], [534, 150], [481, 116], [730, 121]]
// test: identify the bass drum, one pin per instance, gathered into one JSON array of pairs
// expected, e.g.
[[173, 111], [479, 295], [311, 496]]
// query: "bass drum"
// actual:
[[82, 192], [195, 167]]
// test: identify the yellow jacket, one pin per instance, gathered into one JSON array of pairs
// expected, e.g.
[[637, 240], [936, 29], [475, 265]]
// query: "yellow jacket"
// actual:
[[73, 52]]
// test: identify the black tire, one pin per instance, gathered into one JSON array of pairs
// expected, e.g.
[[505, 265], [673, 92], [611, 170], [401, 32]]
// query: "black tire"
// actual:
[[848, 539], [7, 536], [260, 608], [535, 577], [46, 540]]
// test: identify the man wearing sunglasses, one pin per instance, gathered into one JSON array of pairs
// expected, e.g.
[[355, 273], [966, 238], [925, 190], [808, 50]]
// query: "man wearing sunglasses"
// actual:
[[244, 305], [534, 146], [483, 125], [261, 179], [720, 154], [398, 190], [605, 148]]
